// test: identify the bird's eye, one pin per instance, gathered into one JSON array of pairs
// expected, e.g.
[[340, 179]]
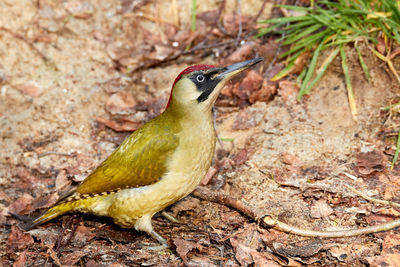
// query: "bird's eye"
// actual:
[[200, 78]]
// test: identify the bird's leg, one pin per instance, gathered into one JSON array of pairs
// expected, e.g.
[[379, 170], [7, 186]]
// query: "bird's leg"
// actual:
[[144, 224], [159, 238], [169, 217]]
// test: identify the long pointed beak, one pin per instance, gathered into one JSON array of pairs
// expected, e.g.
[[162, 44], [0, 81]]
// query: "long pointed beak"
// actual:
[[232, 70]]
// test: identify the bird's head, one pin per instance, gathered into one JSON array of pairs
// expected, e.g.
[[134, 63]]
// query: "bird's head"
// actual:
[[198, 86]]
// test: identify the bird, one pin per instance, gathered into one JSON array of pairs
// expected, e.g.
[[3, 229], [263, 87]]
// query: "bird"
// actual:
[[159, 163]]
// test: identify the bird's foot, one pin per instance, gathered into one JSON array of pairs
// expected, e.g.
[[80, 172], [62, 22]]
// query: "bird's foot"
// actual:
[[159, 238], [169, 217]]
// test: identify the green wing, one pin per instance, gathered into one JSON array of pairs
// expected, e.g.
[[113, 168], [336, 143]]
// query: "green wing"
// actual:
[[140, 160]]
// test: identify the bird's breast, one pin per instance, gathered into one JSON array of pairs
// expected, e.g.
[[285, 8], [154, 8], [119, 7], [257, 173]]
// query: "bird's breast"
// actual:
[[186, 166]]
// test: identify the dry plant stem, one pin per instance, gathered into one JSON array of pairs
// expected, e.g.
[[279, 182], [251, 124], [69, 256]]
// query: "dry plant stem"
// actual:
[[372, 200], [269, 221]]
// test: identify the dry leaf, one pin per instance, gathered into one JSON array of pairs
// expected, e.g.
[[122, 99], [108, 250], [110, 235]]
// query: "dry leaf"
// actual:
[[18, 239], [369, 162], [124, 126], [241, 54], [22, 205], [32, 89], [384, 260], [120, 102], [252, 82], [188, 203], [183, 247], [21, 260], [320, 209], [264, 94]]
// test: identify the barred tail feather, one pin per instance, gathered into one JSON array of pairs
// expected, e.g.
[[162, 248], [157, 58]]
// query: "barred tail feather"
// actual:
[[48, 215]]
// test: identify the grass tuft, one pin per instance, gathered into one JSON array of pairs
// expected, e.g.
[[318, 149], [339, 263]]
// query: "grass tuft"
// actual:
[[335, 25]]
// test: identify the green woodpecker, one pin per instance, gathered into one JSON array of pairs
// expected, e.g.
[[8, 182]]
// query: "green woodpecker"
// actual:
[[161, 162]]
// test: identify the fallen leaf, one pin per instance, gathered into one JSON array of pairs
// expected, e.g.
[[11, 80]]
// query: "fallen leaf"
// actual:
[[120, 103], [124, 126], [264, 94], [384, 260], [260, 260], [395, 52], [241, 157], [21, 260], [188, 203], [18, 239], [83, 235], [300, 251], [44, 202], [252, 82], [246, 242], [62, 181], [31, 89], [183, 247], [209, 17], [22, 205], [47, 236], [241, 54], [375, 219], [229, 88], [79, 9], [290, 159], [69, 259], [369, 162], [113, 85], [231, 23], [391, 244], [119, 50], [300, 63], [320, 209], [380, 46]]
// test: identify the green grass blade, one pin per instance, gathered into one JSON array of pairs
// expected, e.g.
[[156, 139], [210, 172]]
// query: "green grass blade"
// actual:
[[285, 19], [363, 65], [396, 153], [194, 9], [303, 33], [310, 70], [321, 70]]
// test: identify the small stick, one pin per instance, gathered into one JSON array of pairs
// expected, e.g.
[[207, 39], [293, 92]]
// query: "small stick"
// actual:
[[371, 199], [269, 221]]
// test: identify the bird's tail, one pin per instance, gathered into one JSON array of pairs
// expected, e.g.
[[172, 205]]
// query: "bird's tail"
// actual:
[[49, 215]]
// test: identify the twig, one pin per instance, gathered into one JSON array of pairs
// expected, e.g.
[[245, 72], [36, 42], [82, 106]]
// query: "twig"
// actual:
[[269, 221], [260, 11], [212, 196], [372, 200]]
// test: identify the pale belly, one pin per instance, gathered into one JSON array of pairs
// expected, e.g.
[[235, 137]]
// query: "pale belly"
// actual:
[[188, 167]]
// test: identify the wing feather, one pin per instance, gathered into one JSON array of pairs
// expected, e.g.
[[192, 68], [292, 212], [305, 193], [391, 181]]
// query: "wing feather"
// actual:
[[139, 161]]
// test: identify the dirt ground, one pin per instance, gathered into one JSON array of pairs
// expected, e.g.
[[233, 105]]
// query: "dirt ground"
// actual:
[[77, 77]]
